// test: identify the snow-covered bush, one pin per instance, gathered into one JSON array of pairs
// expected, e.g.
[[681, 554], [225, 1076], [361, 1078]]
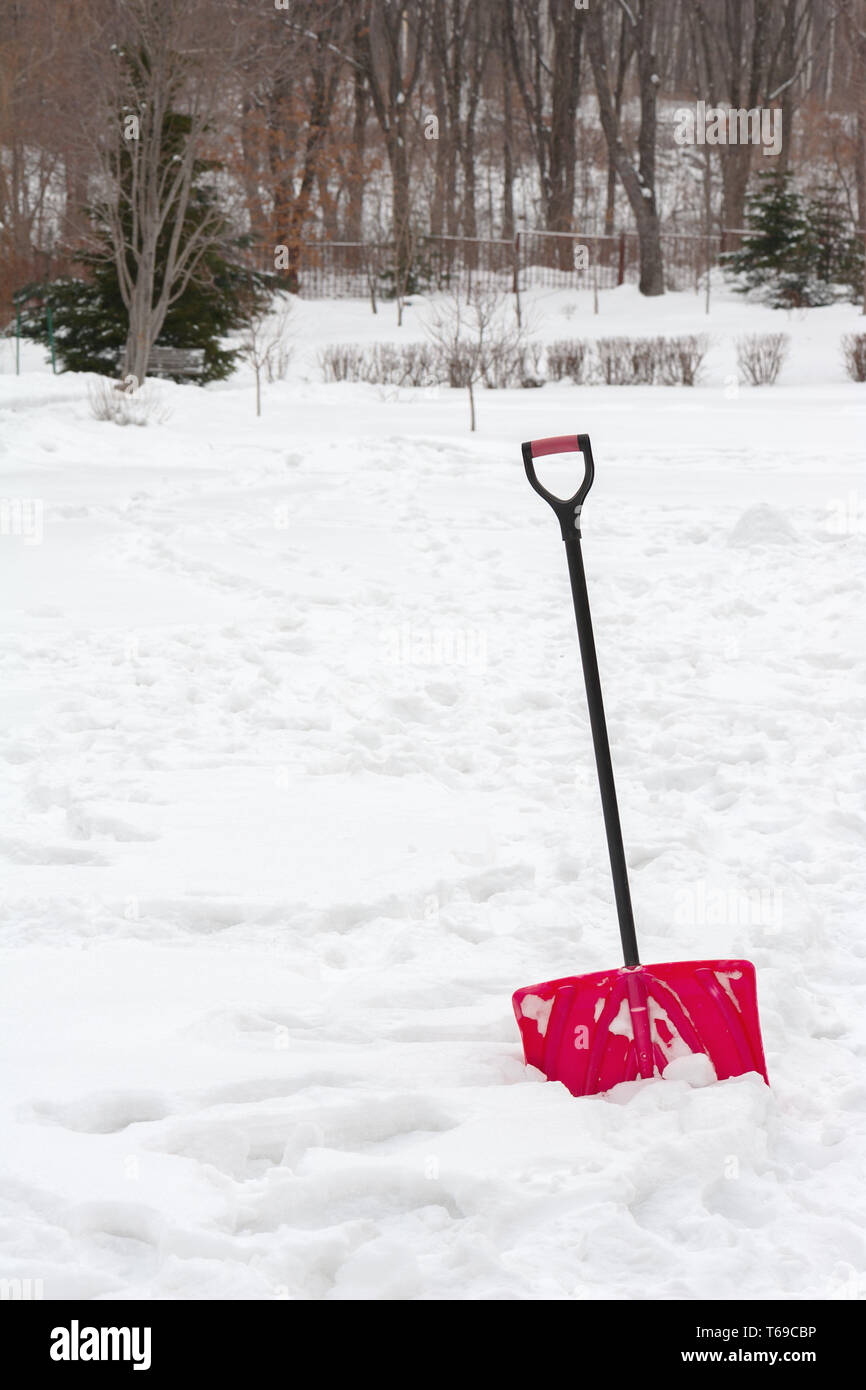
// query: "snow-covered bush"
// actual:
[[418, 365], [126, 403], [680, 358], [760, 357], [342, 362], [854, 355], [611, 361], [506, 360], [511, 364], [383, 364], [627, 361], [568, 358], [403, 364], [654, 361]]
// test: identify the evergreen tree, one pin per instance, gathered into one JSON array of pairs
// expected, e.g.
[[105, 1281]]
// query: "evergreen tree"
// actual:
[[836, 253], [797, 252], [772, 261]]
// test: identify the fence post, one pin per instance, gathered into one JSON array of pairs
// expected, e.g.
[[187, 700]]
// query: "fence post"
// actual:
[[620, 270]]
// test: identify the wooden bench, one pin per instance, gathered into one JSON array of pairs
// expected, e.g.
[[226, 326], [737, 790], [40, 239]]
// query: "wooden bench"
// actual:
[[175, 361]]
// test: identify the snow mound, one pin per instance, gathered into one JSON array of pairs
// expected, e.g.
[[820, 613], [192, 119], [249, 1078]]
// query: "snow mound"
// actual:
[[761, 525], [696, 1069]]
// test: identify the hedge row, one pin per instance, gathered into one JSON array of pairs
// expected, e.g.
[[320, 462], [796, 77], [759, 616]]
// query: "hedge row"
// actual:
[[620, 361]]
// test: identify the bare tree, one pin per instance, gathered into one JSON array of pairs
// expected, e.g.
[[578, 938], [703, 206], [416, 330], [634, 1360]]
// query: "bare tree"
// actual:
[[358, 140], [791, 56], [474, 337], [733, 48], [462, 35], [545, 52], [508, 145], [639, 183], [392, 49], [300, 56], [265, 345], [619, 61], [154, 93], [36, 87]]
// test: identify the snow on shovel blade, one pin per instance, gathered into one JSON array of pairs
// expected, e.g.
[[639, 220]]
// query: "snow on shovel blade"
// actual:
[[592, 1031]]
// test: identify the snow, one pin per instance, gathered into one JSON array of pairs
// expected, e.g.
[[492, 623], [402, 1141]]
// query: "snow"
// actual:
[[535, 1007], [696, 1069], [298, 788]]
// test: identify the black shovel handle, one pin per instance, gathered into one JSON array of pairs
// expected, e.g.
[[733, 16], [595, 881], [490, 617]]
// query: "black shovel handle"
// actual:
[[567, 508], [568, 513]]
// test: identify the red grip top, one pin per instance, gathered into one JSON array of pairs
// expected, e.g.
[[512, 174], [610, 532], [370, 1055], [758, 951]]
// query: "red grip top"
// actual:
[[558, 444]]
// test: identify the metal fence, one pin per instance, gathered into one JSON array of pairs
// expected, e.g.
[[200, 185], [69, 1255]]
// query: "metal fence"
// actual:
[[530, 260]]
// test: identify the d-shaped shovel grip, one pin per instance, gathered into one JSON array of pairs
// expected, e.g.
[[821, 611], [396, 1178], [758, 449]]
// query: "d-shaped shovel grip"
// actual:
[[567, 508]]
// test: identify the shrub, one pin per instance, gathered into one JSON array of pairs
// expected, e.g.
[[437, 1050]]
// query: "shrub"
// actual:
[[610, 361], [760, 357], [418, 365], [680, 359], [854, 355], [643, 358], [530, 365], [384, 364], [627, 361], [508, 363], [342, 362], [648, 361], [404, 364], [503, 359], [114, 402], [567, 357], [456, 363]]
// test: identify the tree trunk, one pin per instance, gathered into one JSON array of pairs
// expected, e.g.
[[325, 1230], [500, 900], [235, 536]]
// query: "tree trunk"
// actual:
[[507, 156], [401, 206], [143, 328], [567, 23], [360, 104], [550, 101], [470, 217], [610, 203], [250, 154], [624, 55], [860, 158], [652, 277], [437, 206], [736, 163], [392, 69]]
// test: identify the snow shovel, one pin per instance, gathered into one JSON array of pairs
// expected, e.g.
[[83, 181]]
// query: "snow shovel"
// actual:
[[635, 1021]]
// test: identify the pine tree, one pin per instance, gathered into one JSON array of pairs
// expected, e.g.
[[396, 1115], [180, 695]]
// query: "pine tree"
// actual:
[[797, 253], [772, 262], [836, 254]]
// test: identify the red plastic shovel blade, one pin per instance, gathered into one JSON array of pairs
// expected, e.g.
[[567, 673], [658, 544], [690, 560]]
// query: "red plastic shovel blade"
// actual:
[[592, 1031]]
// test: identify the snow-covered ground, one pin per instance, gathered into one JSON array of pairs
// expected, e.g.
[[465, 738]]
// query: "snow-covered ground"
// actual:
[[297, 788]]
